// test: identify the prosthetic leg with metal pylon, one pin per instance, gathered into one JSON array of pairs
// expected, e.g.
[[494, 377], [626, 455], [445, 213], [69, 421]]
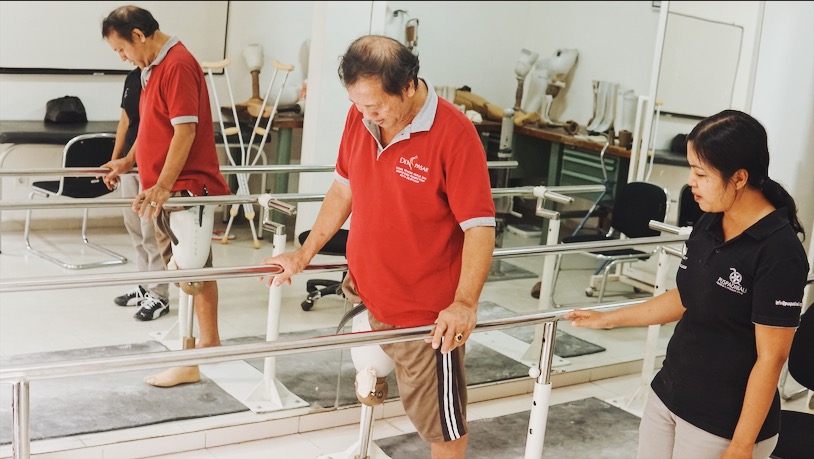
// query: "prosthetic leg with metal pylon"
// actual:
[[245, 148], [372, 367], [191, 241], [259, 392]]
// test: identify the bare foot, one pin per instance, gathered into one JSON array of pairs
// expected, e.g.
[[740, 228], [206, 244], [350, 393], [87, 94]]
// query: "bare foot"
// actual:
[[174, 376]]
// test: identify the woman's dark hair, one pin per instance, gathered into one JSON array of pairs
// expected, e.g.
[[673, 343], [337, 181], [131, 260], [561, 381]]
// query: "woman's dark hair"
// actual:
[[125, 19], [732, 140], [379, 57]]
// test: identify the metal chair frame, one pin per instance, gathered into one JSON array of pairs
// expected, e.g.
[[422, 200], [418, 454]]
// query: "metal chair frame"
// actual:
[[77, 187], [627, 226]]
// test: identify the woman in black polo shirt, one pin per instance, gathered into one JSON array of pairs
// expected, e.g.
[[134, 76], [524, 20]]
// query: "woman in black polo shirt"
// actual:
[[738, 297]]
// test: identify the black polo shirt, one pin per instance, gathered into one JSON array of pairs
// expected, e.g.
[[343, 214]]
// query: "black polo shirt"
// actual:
[[130, 99], [727, 287]]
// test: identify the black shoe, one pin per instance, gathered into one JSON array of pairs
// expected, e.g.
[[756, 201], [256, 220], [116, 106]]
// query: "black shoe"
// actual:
[[151, 308], [131, 298]]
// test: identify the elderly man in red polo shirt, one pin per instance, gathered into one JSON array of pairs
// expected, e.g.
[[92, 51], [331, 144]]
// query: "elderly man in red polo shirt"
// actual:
[[176, 155]]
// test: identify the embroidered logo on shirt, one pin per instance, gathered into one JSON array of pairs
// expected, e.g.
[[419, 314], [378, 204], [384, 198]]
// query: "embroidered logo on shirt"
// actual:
[[414, 171], [734, 282]]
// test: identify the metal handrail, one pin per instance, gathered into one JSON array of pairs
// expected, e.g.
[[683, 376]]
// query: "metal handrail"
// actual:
[[10, 374], [267, 168], [98, 171], [182, 275], [20, 375], [88, 203]]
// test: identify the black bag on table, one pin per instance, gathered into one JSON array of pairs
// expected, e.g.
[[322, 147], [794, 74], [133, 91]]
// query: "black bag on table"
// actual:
[[68, 109]]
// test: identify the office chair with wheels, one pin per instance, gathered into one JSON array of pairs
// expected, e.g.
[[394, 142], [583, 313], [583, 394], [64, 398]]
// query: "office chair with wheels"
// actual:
[[317, 288], [635, 204], [796, 427], [87, 150]]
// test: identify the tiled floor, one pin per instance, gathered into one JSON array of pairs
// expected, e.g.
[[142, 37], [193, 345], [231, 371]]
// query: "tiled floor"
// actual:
[[52, 320]]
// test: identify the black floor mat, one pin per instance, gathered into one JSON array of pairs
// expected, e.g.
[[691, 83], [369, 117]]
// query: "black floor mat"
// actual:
[[587, 428], [86, 404]]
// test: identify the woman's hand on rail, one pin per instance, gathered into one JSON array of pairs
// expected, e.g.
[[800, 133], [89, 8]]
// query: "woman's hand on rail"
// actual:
[[291, 262], [588, 319]]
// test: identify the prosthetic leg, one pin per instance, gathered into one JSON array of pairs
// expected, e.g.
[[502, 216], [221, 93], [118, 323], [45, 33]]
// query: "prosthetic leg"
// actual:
[[372, 367], [521, 69], [546, 83], [190, 251], [190, 231]]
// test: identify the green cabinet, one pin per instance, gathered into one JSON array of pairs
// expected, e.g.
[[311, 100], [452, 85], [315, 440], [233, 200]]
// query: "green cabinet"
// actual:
[[584, 167]]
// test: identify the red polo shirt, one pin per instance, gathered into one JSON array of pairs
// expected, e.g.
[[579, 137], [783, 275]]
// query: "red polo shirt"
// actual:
[[176, 93], [411, 205]]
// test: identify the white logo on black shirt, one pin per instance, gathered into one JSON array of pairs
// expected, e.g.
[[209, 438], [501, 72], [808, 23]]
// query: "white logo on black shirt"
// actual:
[[734, 282], [798, 304]]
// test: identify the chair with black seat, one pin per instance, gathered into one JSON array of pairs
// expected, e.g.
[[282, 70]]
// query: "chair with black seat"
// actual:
[[634, 206], [317, 288], [688, 209], [796, 440], [88, 151]]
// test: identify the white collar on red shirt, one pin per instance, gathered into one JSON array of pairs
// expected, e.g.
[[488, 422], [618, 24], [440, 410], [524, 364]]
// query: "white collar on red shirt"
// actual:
[[145, 73], [422, 121]]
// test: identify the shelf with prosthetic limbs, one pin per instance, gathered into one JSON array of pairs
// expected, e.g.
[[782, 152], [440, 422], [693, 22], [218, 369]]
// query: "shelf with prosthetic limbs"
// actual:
[[546, 78]]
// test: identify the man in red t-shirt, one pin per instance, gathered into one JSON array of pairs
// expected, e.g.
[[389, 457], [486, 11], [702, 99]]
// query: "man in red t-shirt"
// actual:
[[176, 155], [412, 172]]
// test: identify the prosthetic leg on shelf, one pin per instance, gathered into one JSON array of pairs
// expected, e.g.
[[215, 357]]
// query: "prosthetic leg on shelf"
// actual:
[[546, 83]]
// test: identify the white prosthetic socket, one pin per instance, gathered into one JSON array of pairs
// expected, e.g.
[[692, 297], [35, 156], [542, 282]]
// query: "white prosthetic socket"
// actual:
[[546, 82], [372, 366], [193, 229], [538, 81], [521, 69], [562, 63]]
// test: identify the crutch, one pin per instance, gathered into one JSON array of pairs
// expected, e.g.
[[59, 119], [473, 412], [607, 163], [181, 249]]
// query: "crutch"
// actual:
[[278, 67], [242, 179], [258, 113]]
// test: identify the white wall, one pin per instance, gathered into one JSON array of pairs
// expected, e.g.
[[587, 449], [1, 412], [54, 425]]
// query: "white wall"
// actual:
[[748, 16], [476, 44], [335, 26], [615, 42], [784, 100], [281, 27]]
